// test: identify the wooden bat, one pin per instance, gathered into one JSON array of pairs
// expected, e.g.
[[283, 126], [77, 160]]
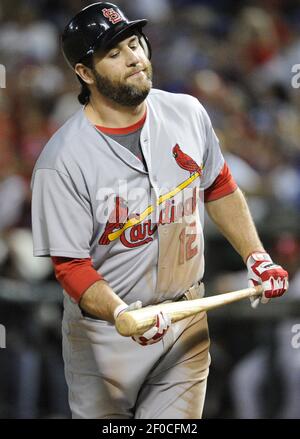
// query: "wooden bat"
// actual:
[[138, 321]]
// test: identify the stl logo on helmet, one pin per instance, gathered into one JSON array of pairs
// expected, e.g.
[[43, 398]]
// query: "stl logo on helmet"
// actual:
[[112, 15]]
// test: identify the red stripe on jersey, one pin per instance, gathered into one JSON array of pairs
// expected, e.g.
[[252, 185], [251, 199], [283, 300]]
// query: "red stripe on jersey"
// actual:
[[75, 275], [223, 185], [127, 130]]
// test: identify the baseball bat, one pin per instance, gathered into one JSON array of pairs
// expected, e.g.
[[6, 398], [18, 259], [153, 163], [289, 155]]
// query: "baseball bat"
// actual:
[[138, 321]]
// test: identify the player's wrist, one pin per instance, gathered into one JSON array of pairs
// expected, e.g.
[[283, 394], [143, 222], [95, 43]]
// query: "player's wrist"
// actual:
[[120, 308], [256, 256]]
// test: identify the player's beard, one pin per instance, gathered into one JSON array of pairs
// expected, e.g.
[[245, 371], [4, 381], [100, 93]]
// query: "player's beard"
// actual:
[[125, 94]]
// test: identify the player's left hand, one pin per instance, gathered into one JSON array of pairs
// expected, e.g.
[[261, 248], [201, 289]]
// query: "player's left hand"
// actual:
[[263, 271]]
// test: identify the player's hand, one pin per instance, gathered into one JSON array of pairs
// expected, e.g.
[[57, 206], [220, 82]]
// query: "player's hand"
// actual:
[[263, 271], [156, 333], [152, 335]]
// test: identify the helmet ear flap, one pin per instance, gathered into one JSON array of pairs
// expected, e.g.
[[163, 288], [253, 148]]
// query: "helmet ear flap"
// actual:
[[145, 45]]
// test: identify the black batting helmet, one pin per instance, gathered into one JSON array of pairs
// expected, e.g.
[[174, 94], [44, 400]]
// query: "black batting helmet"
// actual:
[[98, 26]]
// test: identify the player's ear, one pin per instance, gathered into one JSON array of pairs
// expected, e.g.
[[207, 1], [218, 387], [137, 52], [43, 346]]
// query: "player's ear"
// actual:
[[85, 73]]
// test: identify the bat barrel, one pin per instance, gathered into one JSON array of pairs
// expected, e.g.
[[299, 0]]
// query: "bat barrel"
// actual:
[[128, 323]]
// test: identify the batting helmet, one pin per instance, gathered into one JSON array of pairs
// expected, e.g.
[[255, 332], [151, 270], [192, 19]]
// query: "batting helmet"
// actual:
[[98, 26]]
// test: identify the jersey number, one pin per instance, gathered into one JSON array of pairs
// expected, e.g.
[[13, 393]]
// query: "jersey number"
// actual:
[[187, 251]]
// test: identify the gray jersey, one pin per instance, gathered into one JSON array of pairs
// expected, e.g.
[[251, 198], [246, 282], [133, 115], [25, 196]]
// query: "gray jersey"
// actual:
[[143, 231]]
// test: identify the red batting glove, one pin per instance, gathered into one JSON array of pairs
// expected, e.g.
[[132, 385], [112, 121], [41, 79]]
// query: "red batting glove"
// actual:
[[156, 333], [263, 271]]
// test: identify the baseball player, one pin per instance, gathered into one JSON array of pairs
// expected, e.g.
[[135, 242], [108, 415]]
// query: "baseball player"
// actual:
[[118, 199]]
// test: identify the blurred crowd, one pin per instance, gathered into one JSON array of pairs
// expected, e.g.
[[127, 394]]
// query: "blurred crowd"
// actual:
[[237, 58]]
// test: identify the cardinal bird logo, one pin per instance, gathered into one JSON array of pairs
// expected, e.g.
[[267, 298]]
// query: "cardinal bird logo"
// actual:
[[116, 220], [185, 161]]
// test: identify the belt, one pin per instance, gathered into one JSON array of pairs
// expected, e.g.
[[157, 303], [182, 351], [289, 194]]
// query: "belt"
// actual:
[[196, 291]]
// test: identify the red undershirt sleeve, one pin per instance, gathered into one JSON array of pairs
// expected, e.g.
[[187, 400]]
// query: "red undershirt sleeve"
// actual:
[[223, 185], [75, 275]]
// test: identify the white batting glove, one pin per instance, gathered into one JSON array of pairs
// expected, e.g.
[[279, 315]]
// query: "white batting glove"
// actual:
[[124, 307], [263, 271], [156, 333]]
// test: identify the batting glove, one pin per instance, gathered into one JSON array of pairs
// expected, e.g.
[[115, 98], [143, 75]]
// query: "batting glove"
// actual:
[[156, 333], [263, 271], [152, 335], [123, 307]]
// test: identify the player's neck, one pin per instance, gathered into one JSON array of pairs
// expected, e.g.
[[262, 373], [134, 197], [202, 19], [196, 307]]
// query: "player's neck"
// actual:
[[111, 115]]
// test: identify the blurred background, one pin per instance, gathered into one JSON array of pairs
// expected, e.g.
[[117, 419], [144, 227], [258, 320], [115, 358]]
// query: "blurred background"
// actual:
[[236, 57]]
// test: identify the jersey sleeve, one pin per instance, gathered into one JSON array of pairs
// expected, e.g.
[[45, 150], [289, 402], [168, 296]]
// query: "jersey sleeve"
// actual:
[[213, 160], [62, 223]]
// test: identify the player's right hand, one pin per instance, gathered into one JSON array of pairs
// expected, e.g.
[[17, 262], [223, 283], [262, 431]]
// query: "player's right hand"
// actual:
[[156, 333], [124, 307], [152, 335]]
